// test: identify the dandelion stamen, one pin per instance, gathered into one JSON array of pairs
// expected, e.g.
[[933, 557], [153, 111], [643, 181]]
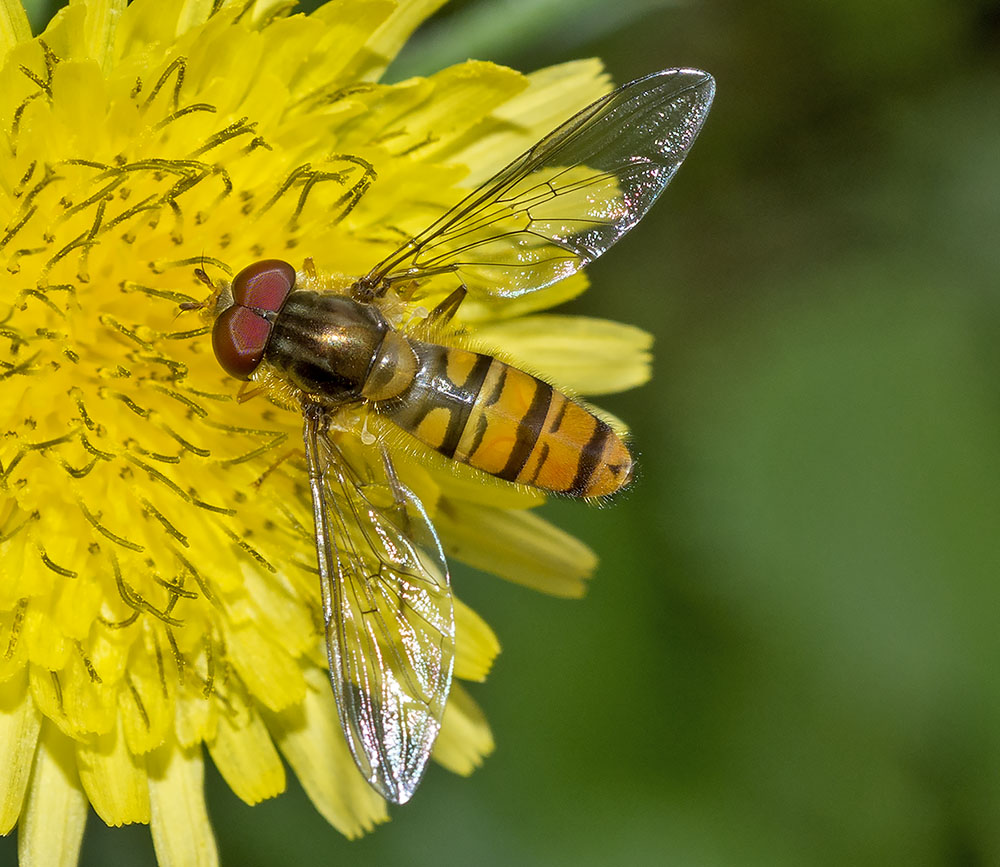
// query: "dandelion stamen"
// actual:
[[133, 599], [182, 112], [13, 230], [243, 126], [187, 335], [247, 548], [78, 472], [172, 531], [20, 609], [90, 447], [59, 570], [139, 706], [183, 399], [95, 522], [177, 67]]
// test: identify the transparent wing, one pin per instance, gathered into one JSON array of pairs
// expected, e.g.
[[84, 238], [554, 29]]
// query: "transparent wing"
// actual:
[[387, 606], [564, 202]]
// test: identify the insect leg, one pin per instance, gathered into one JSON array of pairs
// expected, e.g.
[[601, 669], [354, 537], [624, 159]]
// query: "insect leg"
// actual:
[[443, 313], [246, 393], [397, 491], [312, 416]]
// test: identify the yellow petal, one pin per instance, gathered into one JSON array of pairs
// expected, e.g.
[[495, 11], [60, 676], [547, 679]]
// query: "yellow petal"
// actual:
[[389, 38], [77, 604], [146, 705], [102, 21], [72, 699], [553, 95], [62, 32], [556, 93], [245, 756], [182, 833], [276, 607], [46, 644], [424, 115], [579, 353], [489, 309], [263, 10], [349, 24], [460, 482], [462, 95], [476, 645], [51, 828], [191, 13], [465, 737], [312, 741], [429, 475], [14, 26], [176, 17], [518, 546], [19, 726], [79, 94], [19, 582], [146, 24], [114, 779], [196, 720], [269, 671]]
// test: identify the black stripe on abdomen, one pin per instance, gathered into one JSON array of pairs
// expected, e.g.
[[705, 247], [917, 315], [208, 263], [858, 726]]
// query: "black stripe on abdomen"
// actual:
[[460, 411], [590, 458], [528, 431]]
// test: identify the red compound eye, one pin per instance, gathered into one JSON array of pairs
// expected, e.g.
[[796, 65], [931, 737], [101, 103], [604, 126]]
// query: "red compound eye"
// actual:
[[264, 285], [240, 334], [239, 338]]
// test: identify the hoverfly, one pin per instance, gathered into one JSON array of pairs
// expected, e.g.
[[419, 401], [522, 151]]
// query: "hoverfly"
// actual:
[[385, 587]]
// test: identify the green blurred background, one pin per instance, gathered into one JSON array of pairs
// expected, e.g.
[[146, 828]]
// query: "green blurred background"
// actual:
[[791, 652]]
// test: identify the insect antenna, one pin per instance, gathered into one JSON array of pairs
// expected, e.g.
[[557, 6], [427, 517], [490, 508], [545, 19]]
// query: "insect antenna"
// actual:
[[202, 275]]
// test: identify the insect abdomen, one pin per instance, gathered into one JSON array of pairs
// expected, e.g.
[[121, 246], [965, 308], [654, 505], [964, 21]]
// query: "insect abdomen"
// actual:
[[477, 410]]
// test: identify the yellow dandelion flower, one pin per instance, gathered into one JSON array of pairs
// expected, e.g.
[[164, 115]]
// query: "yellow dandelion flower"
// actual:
[[160, 589]]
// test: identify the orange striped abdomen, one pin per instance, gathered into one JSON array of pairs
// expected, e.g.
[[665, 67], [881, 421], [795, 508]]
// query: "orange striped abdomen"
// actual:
[[475, 409]]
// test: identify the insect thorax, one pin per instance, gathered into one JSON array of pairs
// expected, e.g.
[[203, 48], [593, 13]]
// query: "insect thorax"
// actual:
[[339, 350]]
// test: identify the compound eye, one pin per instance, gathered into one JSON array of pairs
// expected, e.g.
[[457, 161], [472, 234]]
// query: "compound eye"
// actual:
[[264, 285], [239, 338]]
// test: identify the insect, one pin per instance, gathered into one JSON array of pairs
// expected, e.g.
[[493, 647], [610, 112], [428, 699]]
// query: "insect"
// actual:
[[386, 597]]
